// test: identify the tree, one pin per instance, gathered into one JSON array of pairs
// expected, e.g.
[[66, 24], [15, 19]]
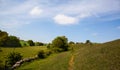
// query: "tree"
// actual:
[[71, 42], [88, 42], [3, 37], [13, 57], [13, 41], [8, 41], [39, 44], [61, 43], [30, 42]]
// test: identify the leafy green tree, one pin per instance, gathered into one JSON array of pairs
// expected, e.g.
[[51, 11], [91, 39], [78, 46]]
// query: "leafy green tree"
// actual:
[[13, 57], [23, 43], [39, 44], [61, 43], [3, 37], [8, 41], [13, 41], [71, 45], [31, 43], [49, 46], [88, 42], [71, 42]]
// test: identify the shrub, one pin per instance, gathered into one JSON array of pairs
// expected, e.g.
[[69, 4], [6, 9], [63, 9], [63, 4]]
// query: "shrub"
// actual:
[[0, 50], [48, 52], [41, 54], [13, 57], [1, 65]]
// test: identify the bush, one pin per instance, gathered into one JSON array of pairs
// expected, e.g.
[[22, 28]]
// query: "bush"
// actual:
[[1, 65], [0, 50], [57, 50], [41, 54], [48, 52], [13, 57]]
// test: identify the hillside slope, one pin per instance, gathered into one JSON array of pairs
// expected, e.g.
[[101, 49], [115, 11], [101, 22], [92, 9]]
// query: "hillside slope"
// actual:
[[104, 56]]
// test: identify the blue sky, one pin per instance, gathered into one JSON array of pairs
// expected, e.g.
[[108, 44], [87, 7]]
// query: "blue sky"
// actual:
[[78, 20]]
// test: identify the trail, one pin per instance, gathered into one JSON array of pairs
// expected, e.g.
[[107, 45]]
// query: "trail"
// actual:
[[71, 63]]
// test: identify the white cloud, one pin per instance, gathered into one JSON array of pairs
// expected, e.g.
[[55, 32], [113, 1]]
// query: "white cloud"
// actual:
[[36, 11], [93, 8], [80, 9], [64, 20]]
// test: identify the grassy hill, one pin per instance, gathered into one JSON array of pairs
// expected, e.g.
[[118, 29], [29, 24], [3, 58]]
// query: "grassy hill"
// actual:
[[105, 56]]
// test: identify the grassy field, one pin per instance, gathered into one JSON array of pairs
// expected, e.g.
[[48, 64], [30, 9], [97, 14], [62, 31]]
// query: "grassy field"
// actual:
[[104, 56], [98, 57], [86, 57], [25, 51], [53, 62]]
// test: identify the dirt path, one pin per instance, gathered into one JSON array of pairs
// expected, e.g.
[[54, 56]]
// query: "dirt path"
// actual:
[[71, 63]]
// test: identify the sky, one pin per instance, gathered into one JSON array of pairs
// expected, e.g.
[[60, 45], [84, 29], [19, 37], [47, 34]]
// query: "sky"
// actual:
[[78, 20]]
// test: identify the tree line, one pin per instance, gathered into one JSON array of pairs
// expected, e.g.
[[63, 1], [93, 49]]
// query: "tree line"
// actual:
[[7, 40]]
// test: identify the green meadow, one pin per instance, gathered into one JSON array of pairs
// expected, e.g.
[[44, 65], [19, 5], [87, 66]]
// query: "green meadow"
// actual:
[[105, 56], [25, 51]]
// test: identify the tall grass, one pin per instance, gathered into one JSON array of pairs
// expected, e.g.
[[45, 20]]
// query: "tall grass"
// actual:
[[99, 57]]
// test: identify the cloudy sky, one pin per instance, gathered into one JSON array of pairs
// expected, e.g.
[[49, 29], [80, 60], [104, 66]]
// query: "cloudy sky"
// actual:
[[78, 20]]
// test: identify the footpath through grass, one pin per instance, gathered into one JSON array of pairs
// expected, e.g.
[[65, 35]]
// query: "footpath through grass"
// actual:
[[54, 62]]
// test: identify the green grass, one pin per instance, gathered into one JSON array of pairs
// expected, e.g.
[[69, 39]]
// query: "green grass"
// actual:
[[98, 57], [25, 51], [53, 62], [104, 56]]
